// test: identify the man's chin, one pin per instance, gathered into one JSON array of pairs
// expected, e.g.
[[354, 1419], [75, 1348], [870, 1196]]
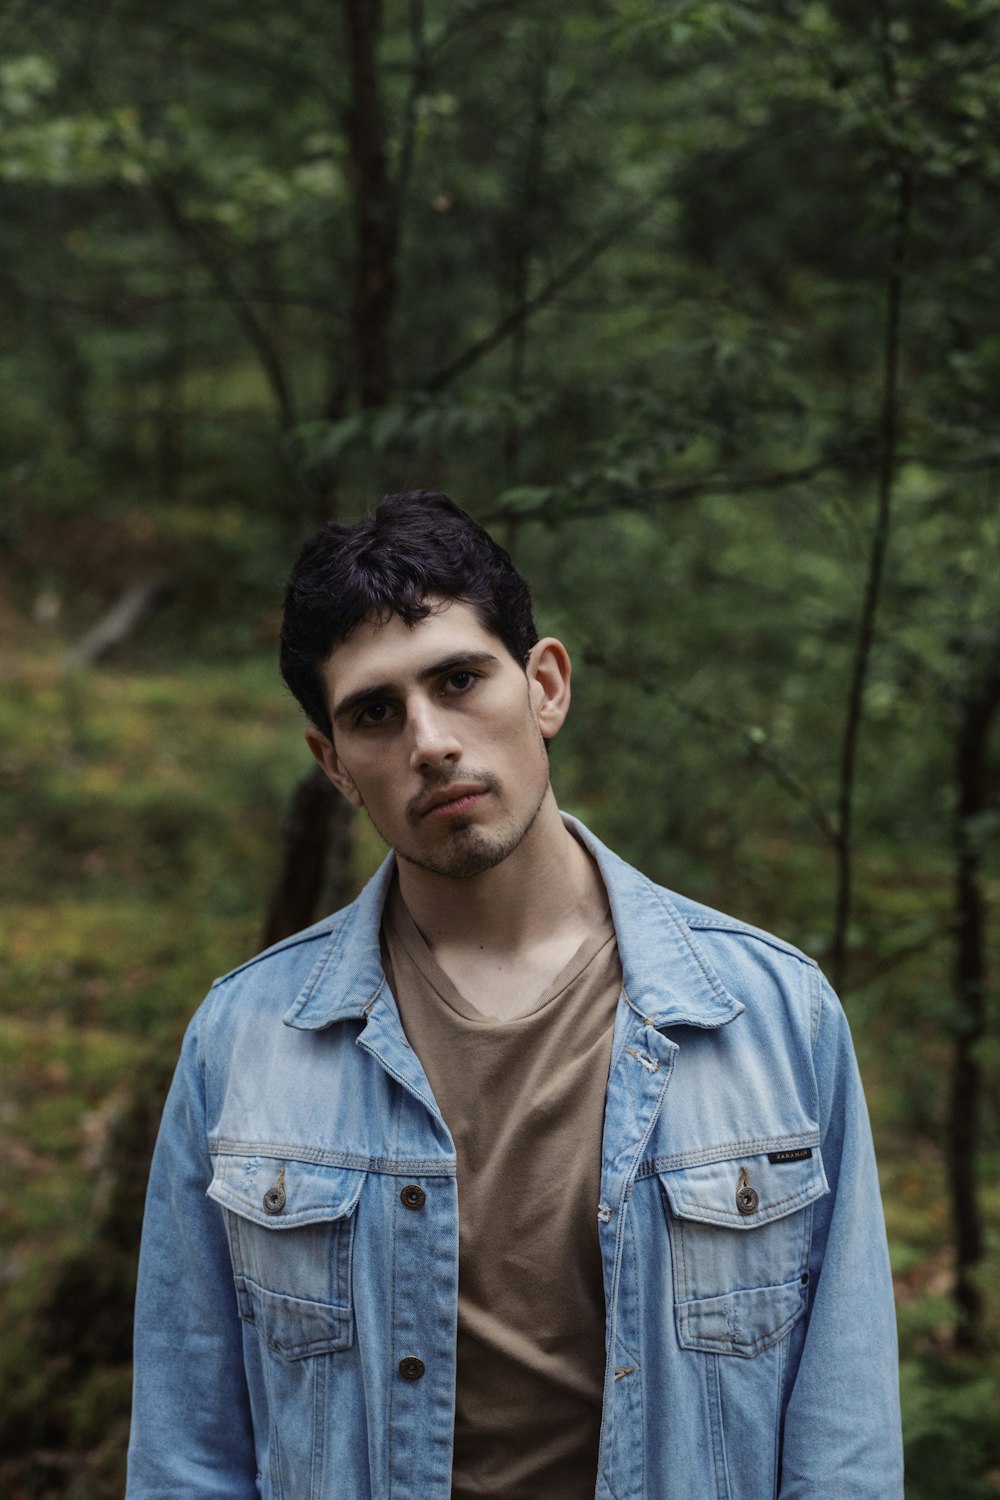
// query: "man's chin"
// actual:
[[467, 851]]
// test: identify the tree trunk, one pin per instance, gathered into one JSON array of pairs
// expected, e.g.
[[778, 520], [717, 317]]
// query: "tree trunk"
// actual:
[[873, 585], [317, 808], [316, 857], [170, 407], [526, 199], [120, 623], [375, 278], [977, 712]]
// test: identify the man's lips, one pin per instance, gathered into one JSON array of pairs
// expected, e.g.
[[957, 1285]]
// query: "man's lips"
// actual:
[[452, 799]]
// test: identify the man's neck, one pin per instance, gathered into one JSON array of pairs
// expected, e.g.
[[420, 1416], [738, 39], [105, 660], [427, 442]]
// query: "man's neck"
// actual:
[[546, 890]]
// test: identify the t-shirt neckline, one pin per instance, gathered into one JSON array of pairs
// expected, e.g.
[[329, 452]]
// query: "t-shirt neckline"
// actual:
[[397, 916]]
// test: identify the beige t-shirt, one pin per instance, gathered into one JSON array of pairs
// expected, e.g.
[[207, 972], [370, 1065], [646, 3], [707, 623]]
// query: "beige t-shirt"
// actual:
[[524, 1101]]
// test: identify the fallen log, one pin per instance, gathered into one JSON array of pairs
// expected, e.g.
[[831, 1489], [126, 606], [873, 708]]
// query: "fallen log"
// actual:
[[120, 623]]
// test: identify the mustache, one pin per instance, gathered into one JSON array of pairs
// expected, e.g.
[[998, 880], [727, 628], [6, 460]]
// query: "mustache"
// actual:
[[486, 781]]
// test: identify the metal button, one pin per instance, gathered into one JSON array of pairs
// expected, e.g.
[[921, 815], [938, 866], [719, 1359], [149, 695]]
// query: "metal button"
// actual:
[[746, 1196], [413, 1196], [274, 1198], [411, 1368]]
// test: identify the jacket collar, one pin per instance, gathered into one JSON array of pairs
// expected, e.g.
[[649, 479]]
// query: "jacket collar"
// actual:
[[667, 975], [347, 977]]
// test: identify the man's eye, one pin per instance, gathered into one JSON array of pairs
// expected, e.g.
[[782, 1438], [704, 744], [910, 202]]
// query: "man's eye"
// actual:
[[373, 713], [460, 682]]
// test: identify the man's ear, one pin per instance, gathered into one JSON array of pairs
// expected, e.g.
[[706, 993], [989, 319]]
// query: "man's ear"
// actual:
[[548, 669], [326, 755]]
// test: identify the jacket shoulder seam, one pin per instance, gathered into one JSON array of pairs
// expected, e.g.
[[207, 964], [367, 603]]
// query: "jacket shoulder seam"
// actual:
[[743, 929], [297, 940]]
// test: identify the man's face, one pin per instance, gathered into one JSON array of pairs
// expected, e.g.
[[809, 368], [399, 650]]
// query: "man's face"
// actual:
[[440, 736]]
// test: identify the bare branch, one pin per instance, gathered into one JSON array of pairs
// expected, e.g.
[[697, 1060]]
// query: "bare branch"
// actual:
[[849, 461], [242, 309], [971, 464], [376, 281], [273, 59], [980, 704], [899, 956], [420, 74], [888, 460], [546, 294], [129, 308], [469, 15], [685, 489], [623, 225], [789, 780], [286, 66], [782, 773]]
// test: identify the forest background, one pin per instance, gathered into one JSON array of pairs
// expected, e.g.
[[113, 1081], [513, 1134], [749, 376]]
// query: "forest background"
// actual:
[[697, 306]]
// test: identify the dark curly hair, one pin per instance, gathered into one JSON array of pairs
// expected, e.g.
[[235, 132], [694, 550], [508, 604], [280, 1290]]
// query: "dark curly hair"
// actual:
[[417, 544]]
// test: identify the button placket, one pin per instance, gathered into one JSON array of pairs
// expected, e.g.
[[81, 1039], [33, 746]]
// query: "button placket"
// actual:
[[637, 1084]]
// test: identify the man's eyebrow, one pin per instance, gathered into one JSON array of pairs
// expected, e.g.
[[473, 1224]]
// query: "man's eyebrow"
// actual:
[[363, 695], [454, 663]]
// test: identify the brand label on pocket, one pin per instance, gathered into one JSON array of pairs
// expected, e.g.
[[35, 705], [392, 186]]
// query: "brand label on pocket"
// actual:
[[802, 1153]]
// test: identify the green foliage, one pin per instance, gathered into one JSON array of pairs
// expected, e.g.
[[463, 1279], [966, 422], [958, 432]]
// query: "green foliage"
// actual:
[[953, 1437], [644, 254]]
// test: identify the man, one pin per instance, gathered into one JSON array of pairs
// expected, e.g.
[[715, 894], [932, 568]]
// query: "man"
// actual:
[[519, 1177]]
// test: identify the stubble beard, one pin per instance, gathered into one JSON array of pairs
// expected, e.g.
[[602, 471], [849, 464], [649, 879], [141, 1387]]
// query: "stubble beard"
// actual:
[[472, 850]]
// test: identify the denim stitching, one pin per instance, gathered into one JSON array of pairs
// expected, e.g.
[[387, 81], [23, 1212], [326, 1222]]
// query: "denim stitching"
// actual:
[[726, 1151], [721, 924], [816, 1005], [725, 1216], [275, 1150], [756, 1346], [779, 1406], [320, 1372], [393, 1374], [713, 1396]]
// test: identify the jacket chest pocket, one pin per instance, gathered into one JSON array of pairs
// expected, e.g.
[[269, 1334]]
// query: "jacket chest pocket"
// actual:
[[290, 1227], [740, 1231]]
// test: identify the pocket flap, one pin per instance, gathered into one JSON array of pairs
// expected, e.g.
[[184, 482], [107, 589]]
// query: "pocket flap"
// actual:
[[294, 1327], [743, 1192], [278, 1193], [742, 1323]]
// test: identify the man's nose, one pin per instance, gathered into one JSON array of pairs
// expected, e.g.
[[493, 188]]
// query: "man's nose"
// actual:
[[432, 738]]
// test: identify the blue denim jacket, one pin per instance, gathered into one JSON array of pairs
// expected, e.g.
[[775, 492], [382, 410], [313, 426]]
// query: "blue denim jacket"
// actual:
[[295, 1319]]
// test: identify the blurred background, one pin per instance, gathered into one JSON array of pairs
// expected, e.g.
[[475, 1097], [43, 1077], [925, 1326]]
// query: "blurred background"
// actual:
[[696, 305]]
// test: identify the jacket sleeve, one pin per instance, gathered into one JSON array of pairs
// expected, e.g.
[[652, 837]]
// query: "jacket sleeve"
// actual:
[[191, 1430], [842, 1427]]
